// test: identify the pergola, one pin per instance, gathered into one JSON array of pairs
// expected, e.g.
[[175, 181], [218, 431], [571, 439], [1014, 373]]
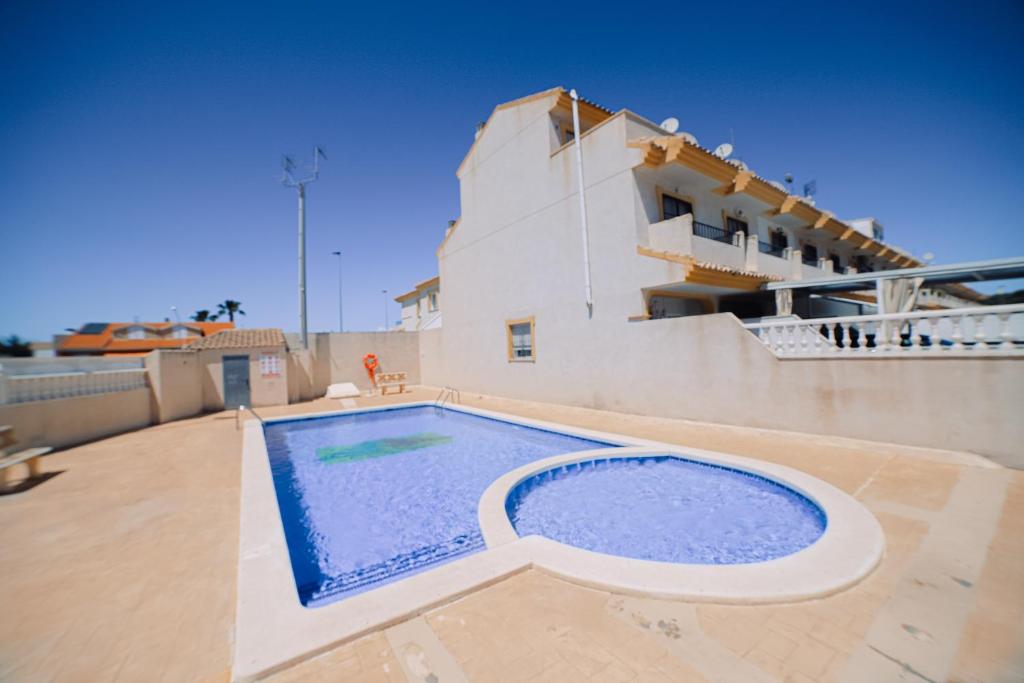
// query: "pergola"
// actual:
[[894, 288]]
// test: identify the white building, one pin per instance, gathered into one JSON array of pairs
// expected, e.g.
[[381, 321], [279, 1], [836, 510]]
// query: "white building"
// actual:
[[421, 307], [676, 237], [673, 229]]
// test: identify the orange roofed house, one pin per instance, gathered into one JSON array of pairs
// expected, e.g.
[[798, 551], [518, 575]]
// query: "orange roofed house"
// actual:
[[134, 339]]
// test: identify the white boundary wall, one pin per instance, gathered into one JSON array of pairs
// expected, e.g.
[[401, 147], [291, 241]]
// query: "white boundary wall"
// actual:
[[710, 369]]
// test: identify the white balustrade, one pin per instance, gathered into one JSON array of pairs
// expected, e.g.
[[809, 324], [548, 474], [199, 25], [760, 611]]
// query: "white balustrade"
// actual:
[[45, 387], [961, 332]]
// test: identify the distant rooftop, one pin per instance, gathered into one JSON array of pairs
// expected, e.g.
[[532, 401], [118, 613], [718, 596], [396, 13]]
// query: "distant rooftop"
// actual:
[[240, 339]]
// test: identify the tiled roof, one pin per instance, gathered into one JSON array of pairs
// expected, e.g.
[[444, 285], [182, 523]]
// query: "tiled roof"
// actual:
[[101, 338], [240, 339], [426, 284]]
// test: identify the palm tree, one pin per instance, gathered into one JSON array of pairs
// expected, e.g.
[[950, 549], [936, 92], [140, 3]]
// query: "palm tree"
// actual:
[[230, 308], [203, 315], [14, 346]]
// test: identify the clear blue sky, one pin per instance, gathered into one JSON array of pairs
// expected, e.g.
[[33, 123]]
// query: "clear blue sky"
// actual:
[[141, 142]]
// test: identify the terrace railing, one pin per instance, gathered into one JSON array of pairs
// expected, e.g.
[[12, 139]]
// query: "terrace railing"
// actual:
[[771, 249], [710, 232], [44, 387], [961, 332]]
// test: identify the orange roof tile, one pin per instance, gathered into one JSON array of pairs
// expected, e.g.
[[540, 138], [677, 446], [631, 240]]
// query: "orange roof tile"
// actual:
[[240, 339], [104, 342]]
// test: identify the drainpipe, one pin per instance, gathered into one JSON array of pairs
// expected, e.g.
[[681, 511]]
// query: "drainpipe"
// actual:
[[583, 202]]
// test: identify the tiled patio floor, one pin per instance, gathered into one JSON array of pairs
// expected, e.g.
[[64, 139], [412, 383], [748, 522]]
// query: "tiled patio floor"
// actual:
[[122, 568]]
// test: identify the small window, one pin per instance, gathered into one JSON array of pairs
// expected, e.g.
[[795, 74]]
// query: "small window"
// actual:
[[837, 263], [674, 206], [863, 264], [181, 333], [432, 302], [136, 333], [520, 340]]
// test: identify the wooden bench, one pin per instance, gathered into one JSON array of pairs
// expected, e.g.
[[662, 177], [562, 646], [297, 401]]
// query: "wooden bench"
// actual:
[[31, 457], [386, 380]]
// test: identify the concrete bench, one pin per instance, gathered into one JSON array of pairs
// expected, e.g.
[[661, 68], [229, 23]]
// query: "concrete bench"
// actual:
[[386, 380], [31, 457]]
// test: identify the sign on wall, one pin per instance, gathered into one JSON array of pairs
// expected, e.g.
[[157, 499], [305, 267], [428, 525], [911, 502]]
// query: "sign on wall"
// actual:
[[270, 365]]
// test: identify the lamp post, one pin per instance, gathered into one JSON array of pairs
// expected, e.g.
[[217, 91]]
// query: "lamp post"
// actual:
[[385, 293], [341, 319], [289, 180]]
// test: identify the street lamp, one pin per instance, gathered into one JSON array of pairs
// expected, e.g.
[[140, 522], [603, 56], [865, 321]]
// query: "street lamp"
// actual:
[[341, 319], [385, 293]]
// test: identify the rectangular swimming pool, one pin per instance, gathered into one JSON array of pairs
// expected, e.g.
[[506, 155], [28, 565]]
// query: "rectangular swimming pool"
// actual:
[[369, 498]]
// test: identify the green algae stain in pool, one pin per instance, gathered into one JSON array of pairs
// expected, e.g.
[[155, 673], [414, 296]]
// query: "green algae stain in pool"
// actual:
[[362, 521], [378, 448]]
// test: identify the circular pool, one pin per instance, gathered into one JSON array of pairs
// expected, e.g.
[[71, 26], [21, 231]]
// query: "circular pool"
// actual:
[[665, 508]]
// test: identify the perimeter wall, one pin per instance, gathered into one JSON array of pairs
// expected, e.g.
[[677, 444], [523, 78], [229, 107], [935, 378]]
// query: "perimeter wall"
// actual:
[[709, 368]]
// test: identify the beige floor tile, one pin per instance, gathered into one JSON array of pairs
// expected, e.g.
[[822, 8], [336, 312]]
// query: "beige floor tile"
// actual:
[[124, 565]]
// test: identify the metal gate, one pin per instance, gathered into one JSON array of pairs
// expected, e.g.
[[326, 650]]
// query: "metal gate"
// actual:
[[236, 381]]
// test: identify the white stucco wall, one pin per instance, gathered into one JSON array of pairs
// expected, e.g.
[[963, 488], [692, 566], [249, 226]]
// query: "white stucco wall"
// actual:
[[518, 253]]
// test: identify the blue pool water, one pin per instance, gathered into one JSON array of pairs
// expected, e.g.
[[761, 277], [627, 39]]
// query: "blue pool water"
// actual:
[[369, 498], [666, 509]]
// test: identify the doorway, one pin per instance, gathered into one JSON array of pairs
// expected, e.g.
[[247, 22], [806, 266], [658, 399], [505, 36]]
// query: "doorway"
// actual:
[[236, 382]]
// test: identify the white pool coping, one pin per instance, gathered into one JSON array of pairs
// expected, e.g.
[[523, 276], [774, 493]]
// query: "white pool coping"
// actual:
[[273, 630]]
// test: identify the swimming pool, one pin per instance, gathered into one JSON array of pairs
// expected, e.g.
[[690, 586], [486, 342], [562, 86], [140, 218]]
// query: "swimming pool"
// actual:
[[291, 513], [665, 508], [372, 497]]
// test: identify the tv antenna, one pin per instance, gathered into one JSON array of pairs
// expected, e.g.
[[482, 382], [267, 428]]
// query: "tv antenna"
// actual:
[[289, 179]]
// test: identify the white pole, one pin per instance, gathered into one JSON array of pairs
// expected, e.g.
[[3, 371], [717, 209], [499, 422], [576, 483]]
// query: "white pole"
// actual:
[[302, 266], [583, 203]]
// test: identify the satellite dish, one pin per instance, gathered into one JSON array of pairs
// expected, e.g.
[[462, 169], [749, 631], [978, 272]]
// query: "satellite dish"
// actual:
[[689, 137], [777, 185], [928, 257], [723, 150], [670, 125], [738, 163]]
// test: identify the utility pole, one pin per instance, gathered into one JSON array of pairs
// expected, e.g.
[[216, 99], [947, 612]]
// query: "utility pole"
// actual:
[[289, 180], [385, 293], [341, 319]]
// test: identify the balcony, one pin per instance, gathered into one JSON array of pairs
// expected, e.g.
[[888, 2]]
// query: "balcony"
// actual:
[[710, 232], [775, 250]]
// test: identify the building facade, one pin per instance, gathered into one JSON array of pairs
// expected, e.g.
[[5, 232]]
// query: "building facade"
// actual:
[[421, 306], [677, 240]]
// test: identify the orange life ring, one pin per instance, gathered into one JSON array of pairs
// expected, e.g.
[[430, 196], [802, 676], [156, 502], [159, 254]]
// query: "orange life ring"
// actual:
[[370, 362]]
